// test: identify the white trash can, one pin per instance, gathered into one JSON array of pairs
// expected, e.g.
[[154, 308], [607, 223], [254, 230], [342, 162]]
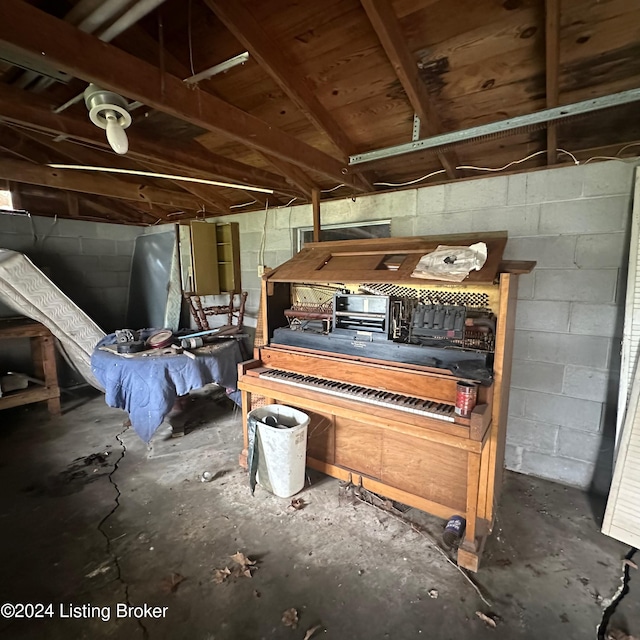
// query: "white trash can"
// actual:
[[282, 448]]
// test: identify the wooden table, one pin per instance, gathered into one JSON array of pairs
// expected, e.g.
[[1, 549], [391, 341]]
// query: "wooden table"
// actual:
[[44, 364]]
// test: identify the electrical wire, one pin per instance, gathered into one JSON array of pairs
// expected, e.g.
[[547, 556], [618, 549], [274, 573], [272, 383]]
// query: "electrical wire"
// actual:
[[189, 21], [244, 204], [264, 236], [333, 188], [473, 168], [404, 184], [627, 146]]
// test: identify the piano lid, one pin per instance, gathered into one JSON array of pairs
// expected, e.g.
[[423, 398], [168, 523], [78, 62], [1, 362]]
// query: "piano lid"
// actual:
[[383, 259]]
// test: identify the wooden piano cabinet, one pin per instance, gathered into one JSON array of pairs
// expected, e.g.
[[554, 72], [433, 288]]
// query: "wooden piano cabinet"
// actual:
[[44, 363], [440, 466]]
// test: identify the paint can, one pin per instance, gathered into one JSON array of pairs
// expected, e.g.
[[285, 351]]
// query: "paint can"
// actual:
[[466, 396], [454, 531], [191, 343]]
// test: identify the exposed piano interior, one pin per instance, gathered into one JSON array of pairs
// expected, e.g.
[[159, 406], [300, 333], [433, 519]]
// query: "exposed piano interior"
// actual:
[[414, 326], [374, 355]]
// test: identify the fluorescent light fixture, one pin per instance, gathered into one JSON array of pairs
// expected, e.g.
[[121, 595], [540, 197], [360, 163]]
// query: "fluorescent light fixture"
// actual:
[[168, 176], [218, 68]]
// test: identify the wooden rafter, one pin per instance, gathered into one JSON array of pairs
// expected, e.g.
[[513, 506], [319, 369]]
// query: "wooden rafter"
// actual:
[[293, 173], [386, 25], [30, 110], [94, 183], [30, 31], [552, 45], [144, 46], [41, 149], [26, 148], [32, 197], [271, 58]]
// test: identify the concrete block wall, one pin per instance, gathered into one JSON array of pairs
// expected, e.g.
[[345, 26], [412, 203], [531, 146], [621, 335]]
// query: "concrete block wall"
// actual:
[[89, 261], [574, 221]]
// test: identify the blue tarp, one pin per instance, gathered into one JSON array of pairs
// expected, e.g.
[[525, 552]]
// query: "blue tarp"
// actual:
[[147, 387]]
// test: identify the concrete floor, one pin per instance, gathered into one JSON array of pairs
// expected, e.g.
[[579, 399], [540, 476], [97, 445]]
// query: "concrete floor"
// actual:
[[358, 572]]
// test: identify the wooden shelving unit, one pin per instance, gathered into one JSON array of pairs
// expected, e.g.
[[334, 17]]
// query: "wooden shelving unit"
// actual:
[[214, 251]]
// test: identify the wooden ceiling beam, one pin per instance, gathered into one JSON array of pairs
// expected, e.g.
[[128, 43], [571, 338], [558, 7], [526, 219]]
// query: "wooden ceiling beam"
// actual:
[[27, 30], [552, 56], [296, 175], [387, 26], [30, 110], [89, 182], [271, 58]]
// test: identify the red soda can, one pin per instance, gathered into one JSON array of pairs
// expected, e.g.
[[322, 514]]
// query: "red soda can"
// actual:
[[466, 397]]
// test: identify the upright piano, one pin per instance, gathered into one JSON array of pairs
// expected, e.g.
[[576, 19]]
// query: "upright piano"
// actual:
[[373, 355]]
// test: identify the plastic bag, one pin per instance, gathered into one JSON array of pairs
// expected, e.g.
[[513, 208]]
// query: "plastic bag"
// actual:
[[451, 264]]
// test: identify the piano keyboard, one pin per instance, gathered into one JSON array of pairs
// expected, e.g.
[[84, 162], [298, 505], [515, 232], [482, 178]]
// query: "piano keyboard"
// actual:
[[386, 399]]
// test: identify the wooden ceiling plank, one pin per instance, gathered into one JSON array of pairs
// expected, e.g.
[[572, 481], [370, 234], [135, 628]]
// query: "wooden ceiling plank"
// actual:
[[89, 182], [28, 30], [387, 26], [27, 109], [270, 57], [552, 56]]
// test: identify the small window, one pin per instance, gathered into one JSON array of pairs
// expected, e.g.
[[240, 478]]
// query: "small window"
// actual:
[[348, 231], [6, 201]]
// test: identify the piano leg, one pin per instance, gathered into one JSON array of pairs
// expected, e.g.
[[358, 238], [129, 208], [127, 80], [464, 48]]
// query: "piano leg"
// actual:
[[470, 550]]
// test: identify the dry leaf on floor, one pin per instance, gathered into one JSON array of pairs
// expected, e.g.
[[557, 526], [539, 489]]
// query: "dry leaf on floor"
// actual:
[[298, 503], [220, 575], [485, 618], [171, 583], [311, 631], [241, 559], [244, 565], [290, 618]]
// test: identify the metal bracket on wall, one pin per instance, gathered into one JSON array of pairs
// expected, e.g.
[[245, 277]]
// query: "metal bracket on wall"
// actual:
[[494, 128], [415, 132]]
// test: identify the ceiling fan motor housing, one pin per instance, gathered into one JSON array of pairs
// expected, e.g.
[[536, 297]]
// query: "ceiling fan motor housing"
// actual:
[[100, 101]]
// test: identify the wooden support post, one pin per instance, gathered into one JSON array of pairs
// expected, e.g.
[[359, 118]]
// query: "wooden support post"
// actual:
[[315, 201], [552, 37]]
